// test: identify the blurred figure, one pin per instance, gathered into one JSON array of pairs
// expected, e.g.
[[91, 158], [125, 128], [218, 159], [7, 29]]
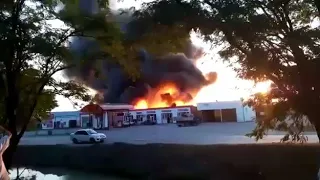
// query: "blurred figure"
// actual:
[[4, 144]]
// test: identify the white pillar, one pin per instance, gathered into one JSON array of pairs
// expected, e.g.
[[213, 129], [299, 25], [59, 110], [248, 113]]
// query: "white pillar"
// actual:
[[158, 117], [244, 115], [94, 122], [106, 122]]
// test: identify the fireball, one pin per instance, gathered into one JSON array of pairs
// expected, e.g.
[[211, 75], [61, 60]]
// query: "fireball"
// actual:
[[141, 104], [166, 95]]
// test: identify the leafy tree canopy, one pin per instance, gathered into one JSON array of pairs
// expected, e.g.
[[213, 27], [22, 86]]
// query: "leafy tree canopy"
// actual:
[[271, 39], [46, 102], [34, 42]]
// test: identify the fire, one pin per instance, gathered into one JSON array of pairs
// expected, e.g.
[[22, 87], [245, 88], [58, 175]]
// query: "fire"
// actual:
[[166, 95], [221, 89], [141, 104], [180, 103]]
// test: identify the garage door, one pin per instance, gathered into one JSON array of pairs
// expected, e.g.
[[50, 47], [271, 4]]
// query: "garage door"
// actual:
[[211, 115], [229, 115]]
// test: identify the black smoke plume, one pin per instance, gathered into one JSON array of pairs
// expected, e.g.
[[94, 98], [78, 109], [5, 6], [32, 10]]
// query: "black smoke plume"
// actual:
[[179, 69]]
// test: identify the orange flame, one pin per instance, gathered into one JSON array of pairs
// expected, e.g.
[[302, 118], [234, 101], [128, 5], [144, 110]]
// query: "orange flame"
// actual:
[[165, 95], [141, 104], [168, 94]]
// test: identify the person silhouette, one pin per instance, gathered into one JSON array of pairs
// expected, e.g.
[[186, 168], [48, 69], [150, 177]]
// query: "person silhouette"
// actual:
[[4, 144]]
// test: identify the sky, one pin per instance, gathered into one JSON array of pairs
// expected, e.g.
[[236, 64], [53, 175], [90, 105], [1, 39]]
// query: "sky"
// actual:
[[227, 87]]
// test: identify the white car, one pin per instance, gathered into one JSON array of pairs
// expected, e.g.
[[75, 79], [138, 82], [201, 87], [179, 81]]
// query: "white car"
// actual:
[[87, 135]]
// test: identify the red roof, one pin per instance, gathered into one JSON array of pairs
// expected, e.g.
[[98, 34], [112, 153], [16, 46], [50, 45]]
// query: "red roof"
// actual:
[[92, 109], [100, 108]]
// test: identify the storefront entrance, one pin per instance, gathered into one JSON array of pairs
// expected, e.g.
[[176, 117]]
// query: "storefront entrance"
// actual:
[[141, 118], [152, 118], [128, 119], [86, 121], [100, 123], [91, 116], [166, 118]]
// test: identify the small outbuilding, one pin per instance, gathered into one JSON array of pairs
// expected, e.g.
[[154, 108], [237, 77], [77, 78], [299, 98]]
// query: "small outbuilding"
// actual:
[[226, 111], [62, 120]]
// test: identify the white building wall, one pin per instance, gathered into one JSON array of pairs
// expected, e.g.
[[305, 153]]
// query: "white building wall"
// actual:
[[174, 113], [219, 105], [134, 114], [244, 113], [106, 120], [94, 121], [250, 114], [240, 114], [158, 116], [81, 116], [65, 120], [65, 116]]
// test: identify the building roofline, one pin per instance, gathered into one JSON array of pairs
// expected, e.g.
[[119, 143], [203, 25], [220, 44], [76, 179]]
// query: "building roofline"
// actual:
[[160, 108]]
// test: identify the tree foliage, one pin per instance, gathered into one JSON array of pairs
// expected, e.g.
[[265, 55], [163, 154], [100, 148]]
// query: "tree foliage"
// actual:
[[34, 39], [46, 101], [271, 39]]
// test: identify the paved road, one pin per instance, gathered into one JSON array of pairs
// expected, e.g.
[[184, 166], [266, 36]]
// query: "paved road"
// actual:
[[206, 133]]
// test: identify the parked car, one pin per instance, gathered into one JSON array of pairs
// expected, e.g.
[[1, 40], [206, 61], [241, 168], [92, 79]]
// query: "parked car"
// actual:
[[87, 135]]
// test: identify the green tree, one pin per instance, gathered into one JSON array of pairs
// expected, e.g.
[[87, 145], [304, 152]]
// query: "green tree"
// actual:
[[265, 40], [46, 102], [35, 37], [33, 50]]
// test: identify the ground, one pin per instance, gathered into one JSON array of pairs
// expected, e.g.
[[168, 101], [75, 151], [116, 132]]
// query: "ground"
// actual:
[[205, 133]]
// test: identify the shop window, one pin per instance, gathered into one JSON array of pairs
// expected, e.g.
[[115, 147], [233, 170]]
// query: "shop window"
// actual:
[[120, 114], [140, 118], [86, 121], [183, 114]]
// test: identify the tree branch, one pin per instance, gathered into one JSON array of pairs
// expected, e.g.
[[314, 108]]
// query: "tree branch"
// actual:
[[31, 110], [287, 18], [317, 4], [62, 40], [61, 68]]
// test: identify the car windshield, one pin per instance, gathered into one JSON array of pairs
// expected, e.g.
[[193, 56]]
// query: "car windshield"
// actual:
[[92, 131]]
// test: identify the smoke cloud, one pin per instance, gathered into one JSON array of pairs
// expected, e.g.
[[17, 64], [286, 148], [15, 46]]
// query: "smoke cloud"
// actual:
[[178, 69]]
